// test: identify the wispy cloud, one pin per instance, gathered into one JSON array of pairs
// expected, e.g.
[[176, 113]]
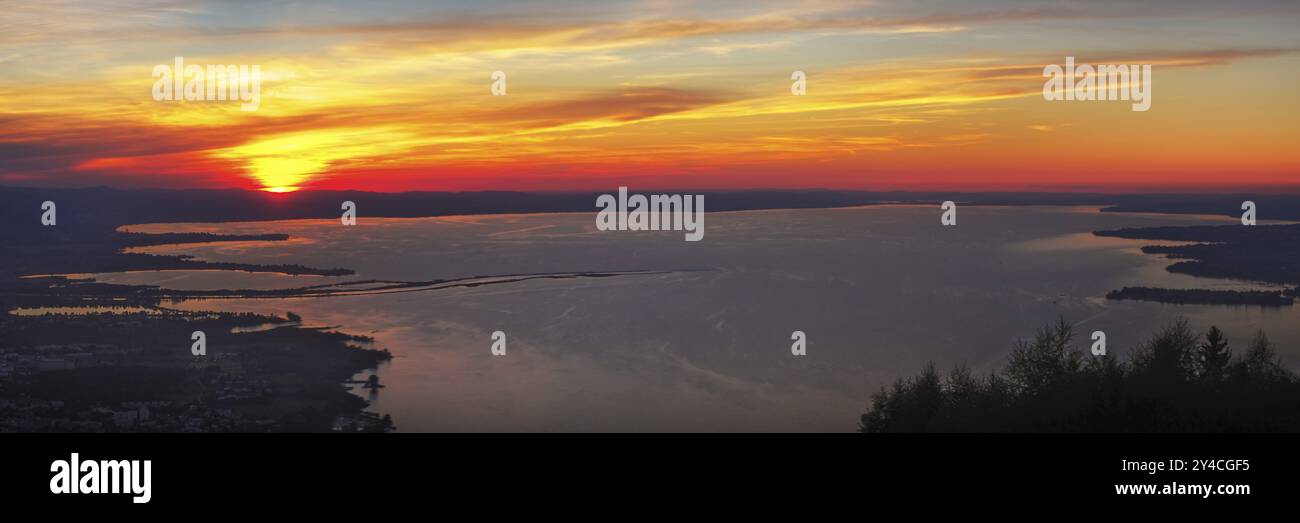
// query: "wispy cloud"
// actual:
[[692, 90]]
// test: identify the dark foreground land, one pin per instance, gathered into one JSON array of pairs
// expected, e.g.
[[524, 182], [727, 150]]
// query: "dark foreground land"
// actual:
[[136, 372], [1179, 381]]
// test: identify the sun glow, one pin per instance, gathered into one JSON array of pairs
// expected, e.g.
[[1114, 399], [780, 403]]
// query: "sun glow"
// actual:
[[280, 189], [287, 162]]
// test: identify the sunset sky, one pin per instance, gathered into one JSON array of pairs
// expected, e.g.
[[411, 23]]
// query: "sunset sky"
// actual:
[[395, 96]]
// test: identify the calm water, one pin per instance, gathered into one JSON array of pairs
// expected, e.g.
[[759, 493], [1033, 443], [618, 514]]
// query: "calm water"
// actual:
[[706, 345]]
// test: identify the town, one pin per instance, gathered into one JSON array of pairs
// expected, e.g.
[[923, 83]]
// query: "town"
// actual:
[[56, 376]]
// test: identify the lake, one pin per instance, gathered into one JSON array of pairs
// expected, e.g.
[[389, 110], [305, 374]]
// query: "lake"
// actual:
[[702, 341]]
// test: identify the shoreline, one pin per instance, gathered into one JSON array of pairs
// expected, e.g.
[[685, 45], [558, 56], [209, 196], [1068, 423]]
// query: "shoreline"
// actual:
[[135, 371]]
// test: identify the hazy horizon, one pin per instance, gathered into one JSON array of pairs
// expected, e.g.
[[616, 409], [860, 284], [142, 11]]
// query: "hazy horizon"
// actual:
[[1173, 190]]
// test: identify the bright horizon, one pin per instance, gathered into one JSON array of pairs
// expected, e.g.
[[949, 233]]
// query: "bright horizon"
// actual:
[[651, 94]]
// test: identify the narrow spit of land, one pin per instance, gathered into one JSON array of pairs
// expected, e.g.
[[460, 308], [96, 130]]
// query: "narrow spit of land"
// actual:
[[1267, 254]]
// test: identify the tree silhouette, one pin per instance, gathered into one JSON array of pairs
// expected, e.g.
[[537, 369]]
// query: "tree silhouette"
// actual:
[[1047, 361], [1261, 360], [1213, 356], [1175, 382], [1169, 357]]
